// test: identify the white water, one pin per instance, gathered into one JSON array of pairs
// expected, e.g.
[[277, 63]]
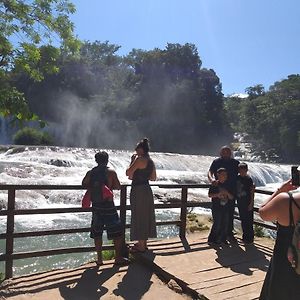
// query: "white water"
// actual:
[[57, 165]]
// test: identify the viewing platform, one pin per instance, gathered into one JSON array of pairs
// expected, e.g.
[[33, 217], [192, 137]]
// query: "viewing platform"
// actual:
[[200, 271]]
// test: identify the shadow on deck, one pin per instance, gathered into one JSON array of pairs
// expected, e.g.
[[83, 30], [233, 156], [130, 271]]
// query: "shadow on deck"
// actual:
[[233, 271]]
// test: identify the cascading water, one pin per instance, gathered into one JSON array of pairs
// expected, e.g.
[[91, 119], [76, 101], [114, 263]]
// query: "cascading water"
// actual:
[[58, 165]]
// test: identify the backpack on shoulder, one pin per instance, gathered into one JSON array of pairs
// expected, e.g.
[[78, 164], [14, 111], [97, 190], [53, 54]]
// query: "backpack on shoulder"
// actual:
[[293, 253]]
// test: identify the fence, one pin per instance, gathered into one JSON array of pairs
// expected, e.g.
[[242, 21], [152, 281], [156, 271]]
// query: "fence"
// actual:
[[9, 256]]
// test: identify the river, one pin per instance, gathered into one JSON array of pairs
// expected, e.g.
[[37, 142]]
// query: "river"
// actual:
[[59, 165]]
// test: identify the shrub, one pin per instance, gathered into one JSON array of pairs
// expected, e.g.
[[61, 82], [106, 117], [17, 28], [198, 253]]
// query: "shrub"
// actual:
[[32, 136]]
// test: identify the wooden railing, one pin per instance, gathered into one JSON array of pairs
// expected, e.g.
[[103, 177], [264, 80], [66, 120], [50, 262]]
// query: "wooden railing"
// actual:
[[9, 256]]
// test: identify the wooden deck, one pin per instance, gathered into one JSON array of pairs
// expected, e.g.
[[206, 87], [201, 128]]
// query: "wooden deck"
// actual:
[[230, 272]]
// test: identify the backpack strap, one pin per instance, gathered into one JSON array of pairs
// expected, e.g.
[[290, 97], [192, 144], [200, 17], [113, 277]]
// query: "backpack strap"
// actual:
[[292, 200]]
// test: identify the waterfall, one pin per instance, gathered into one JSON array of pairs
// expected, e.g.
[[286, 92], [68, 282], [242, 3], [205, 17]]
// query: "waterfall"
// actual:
[[66, 166]]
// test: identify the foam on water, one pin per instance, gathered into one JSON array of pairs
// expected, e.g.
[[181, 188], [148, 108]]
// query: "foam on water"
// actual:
[[67, 166]]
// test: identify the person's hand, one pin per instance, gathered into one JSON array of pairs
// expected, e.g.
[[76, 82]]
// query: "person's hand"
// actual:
[[215, 182], [287, 186], [133, 157]]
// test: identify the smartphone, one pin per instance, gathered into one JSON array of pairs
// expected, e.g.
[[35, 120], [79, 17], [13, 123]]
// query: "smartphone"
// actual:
[[295, 176]]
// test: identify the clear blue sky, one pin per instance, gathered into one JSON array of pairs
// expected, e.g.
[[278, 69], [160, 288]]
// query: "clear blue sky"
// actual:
[[246, 42]]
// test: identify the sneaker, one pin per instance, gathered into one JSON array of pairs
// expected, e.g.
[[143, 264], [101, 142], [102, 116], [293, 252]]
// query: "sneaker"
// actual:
[[214, 243], [232, 239], [225, 242], [247, 242]]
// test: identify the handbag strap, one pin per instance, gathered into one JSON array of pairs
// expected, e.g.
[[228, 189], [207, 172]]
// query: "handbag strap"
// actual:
[[292, 200]]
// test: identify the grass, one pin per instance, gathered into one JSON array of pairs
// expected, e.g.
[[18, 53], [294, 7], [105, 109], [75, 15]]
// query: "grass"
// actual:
[[108, 254], [259, 231], [196, 222]]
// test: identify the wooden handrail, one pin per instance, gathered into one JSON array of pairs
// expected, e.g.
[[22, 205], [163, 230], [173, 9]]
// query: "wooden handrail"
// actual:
[[10, 212]]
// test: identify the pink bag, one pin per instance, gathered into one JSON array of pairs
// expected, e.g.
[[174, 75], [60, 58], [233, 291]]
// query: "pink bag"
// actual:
[[106, 192], [86, 200]]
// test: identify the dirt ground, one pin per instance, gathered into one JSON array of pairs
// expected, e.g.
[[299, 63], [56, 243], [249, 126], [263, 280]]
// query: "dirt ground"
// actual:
[[88, 282]]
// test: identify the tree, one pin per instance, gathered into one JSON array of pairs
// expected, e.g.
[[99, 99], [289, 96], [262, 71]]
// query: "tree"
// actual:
[[255, 91], [24, 27]]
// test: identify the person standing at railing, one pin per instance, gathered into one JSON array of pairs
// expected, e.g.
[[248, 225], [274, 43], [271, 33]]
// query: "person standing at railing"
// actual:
[[221, 197], [231, 165], [281, 281], [104, 213], [140, 171], [245, 202]]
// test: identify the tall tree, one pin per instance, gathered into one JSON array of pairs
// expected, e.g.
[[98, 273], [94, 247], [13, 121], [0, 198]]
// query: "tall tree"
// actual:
[[24, 27]]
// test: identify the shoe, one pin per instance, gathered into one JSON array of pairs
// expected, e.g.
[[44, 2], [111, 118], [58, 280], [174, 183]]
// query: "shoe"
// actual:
[[214, 243], [122, 262], [248, 242], [136, 249], [232, 239], [99, 263], [225, 242]]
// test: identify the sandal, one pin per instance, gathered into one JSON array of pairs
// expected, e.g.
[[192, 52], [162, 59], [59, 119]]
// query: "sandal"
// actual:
[[122, 262], [135, 249], [99, 263]]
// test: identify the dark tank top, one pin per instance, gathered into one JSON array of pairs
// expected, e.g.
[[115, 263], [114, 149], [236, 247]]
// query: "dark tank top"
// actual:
[[282, 282], [141, 176]]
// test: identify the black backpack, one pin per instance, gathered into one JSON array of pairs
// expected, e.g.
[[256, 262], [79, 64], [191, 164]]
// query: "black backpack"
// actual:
[[293, 254], [97, 181]]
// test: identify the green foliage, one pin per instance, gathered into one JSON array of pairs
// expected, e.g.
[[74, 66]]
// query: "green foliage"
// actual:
[[271, 117], [32, 136], [259, 231], [2, 277], [108, 254], [32, 25], [162, 93]]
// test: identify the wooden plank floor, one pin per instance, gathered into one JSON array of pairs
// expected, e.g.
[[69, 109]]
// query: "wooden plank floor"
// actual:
[[233, 271]]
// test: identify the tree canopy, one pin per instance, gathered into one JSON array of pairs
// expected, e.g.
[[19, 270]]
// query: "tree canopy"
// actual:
[[28, 29], [272, 118], [91, 96]]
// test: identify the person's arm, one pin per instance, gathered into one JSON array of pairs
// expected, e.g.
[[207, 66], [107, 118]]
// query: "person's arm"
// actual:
[[252, 192], [86, 179], [116, 185], [211, 178], [153, 176], [213, 192], [270, 210], [228, 194], [136, 164]]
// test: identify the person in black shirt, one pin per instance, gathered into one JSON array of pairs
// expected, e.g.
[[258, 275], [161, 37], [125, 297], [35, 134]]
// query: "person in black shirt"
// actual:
[[245, 201], [221, 198], [231, 165]]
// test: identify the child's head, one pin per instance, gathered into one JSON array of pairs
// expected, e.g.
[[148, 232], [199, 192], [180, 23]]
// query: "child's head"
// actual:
[[243, 169], [222, 175]]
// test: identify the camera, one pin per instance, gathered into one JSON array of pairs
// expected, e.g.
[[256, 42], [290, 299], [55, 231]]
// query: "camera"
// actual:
[[295, 176]]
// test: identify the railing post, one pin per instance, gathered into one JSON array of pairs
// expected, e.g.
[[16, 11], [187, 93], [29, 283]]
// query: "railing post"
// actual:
[[9, 233], [184, 192], [123, 197]]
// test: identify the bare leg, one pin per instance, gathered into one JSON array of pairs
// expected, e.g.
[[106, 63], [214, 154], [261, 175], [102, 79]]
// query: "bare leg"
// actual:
[[119, 259], [118, 248], [98, 246], [141, 246]]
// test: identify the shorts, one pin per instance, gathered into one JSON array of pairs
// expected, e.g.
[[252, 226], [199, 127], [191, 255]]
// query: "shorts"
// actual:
[[105, 217]]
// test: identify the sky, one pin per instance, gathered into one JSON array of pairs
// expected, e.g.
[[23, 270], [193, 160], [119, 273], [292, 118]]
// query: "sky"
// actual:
[[246, 42]]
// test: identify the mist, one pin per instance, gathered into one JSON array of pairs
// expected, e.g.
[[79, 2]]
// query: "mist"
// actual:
[[84, 124]]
